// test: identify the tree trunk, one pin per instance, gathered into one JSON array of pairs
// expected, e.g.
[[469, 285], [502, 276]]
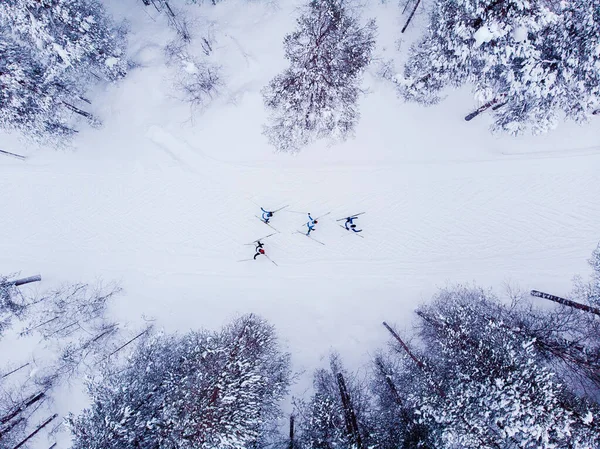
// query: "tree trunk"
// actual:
[[566, 302], [78, 111], [128, 342], [349, 415], [169, 10], [406, 348], [18, 156], [411, 16], [32, 434], [24, 405], [14, 371], [28, 280], [388, 380], [10, 426], [291, 432]]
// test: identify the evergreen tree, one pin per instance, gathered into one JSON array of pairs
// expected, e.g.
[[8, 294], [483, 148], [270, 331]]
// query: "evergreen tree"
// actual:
[[576, 45], [317, 95], [10, 303], [29, 100], [589, 292], [51, 50], [202, 390], [338, 415], [493, 389], [538, 57], [397, 425]]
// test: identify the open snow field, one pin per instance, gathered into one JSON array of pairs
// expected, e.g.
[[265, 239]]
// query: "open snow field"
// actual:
[[163, 202]]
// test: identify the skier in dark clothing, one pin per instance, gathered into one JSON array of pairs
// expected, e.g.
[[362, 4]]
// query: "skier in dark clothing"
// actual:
[[266, 215], [350, 225], [259, 249]]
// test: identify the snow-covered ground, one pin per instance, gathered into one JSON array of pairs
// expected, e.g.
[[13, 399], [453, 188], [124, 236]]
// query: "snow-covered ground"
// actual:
[[163, 202]]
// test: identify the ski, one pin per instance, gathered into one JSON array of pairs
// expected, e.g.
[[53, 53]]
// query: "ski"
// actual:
[[355, 233], [480, 109], [258, 240], [321, 216], [272, 261], [312, 238], [350, 216], [247, 260], [266, 223]]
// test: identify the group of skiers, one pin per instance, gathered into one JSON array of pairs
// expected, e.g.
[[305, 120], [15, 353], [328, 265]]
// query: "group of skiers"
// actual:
[[310, 225]]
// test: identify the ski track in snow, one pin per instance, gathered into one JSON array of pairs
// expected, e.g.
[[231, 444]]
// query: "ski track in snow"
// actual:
[[173, 230]]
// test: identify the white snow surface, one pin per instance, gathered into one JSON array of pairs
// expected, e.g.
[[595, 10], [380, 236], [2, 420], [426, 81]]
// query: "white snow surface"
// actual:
[[483, 35], [520, 34], [164, 202]]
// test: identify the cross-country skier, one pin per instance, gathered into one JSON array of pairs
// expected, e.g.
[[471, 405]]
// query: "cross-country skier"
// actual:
[[311, 224], [350, 225], [259, 249], [266, 215]]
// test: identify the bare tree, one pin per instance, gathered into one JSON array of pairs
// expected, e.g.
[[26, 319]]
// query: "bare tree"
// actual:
[[198, 81], [74, 327]]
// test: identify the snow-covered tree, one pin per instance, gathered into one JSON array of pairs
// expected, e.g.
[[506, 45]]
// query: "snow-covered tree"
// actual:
[[11, 303], [177, 21], [539, 58], [576, 44], [317, 95], [72, 323], [589, 291], [51, 50], [27, 97], [493, 390], [338, 414], [196, 79], [397, 426], [201, 390], [568, 335]]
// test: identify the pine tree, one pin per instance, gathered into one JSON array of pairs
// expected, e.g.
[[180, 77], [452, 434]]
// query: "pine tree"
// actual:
[[338, 415], [539, 58], [317, 95], [201, 390], [28, 98], [589, 292], [51, 50], [10, 303], [494, 389], [397, 425]]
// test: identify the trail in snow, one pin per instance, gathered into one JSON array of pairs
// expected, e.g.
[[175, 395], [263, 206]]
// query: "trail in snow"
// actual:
[[165, 204]]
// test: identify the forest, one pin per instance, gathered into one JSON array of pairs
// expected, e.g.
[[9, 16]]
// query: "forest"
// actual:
[[477, 371], [472, 367]]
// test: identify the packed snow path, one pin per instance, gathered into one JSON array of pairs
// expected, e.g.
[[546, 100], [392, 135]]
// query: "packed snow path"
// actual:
[[172, 233]]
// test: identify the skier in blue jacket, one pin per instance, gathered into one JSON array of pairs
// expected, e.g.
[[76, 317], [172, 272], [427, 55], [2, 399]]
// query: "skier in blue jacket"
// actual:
[[266, 215], [311, 224], [350, 225]]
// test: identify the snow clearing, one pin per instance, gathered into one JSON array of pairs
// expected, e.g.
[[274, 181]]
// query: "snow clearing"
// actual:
[[164, 200]]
